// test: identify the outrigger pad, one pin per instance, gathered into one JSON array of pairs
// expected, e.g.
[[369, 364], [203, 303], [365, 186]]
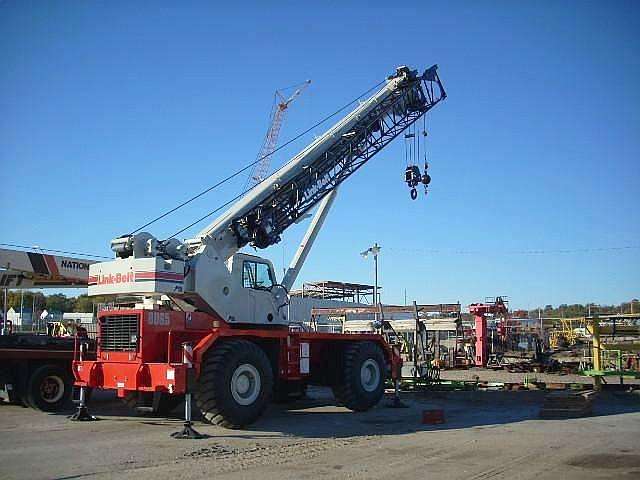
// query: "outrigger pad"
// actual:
[[83, 415], [188, 432]]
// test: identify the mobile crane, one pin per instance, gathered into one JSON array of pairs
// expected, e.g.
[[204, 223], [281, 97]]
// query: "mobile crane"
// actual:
[[214, 321], [35, 369]]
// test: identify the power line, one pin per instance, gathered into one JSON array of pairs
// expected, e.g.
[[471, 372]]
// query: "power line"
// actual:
[[245, 168], [35, 247], [207, 215], [512, 252]]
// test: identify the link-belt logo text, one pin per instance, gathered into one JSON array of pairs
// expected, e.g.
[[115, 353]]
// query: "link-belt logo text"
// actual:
[[117, 278]]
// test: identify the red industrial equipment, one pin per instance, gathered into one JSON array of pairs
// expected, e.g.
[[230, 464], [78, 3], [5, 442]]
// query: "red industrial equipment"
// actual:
[[201, 317], [480, 312]]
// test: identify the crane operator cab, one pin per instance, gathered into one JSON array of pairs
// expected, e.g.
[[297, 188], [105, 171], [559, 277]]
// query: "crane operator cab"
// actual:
[[257, 279]]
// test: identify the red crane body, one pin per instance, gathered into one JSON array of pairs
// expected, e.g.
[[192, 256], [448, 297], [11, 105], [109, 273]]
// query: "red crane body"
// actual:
[[480, 312]]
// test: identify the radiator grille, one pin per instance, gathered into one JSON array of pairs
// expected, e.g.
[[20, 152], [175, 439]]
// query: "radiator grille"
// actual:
[[119, 333]]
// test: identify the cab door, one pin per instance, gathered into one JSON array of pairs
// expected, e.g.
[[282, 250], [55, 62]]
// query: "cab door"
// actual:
[[258, 279]]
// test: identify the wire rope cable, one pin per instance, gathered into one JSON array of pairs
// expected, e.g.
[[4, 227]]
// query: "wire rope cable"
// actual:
[[52, 250], [248, 166]]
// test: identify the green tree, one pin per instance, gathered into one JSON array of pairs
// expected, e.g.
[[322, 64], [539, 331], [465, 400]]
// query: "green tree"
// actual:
[[83, 303], [59, 302], [14, 297]]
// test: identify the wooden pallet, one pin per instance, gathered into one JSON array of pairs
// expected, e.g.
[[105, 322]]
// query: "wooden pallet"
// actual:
[[568, 404]]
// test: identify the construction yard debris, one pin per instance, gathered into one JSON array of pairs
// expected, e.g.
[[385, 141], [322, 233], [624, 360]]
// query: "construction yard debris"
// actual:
[[563, 404], [433, 416]]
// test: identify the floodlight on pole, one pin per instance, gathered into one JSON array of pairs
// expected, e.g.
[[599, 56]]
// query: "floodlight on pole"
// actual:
[[374, 250]]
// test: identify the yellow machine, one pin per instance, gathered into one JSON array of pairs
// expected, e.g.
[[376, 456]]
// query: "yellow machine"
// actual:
[[61, 329], [611, 361], [565, 333]]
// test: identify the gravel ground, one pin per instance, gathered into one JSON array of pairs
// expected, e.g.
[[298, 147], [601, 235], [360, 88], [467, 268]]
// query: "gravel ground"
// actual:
[[492, 434]]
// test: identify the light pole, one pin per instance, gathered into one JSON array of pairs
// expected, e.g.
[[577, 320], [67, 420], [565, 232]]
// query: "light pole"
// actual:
[[4, 329], [375, 250], [21, 307]]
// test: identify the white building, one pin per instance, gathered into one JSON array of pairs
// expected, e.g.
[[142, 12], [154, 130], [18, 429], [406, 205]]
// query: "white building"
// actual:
[[78, 317], [20, 319]]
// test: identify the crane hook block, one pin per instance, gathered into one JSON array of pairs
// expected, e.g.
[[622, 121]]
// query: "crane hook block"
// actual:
[[412, 175]]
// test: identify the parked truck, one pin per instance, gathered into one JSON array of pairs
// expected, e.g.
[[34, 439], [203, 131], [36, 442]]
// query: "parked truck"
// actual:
[[35, 369]]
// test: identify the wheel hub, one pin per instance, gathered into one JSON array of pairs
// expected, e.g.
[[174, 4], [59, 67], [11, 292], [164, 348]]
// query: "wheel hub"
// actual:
[[245, 384], [52, 389], [370, 375]]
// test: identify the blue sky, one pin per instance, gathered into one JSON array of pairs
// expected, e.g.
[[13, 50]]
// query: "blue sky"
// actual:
[[112, 113]]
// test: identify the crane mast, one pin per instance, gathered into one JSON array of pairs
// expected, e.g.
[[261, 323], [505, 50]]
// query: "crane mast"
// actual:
[[281, 106]]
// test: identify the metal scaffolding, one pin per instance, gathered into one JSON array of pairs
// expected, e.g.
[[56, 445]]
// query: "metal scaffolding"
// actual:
[[334, 290]]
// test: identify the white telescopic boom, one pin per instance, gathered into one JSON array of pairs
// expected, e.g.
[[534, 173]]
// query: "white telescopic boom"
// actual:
[[302, 160], [307, 242]]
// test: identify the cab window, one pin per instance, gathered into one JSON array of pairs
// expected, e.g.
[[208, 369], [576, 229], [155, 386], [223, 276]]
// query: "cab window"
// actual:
[[256, 275]]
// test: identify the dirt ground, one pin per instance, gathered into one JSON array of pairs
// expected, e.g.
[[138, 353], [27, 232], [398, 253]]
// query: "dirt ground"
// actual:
[[491, 434]]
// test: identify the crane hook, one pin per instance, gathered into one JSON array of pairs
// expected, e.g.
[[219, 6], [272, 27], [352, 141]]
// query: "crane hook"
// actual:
[[413, 177]]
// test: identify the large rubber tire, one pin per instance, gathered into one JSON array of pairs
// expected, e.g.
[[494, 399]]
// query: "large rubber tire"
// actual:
[[235, 384], [164, 404], [363, 376], [49, 388]]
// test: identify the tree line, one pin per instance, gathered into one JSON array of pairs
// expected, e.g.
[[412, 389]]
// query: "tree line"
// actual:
[[58, 302], [54, 303], [579, 310]]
